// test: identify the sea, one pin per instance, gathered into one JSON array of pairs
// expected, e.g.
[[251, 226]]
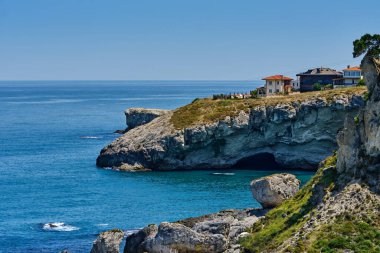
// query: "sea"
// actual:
[[52, 195]]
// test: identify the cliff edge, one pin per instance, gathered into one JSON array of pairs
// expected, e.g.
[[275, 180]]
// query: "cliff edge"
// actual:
[[339, 209], [298, 131]]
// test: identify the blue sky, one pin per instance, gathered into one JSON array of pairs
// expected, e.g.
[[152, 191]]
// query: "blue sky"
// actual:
[[178, 39]]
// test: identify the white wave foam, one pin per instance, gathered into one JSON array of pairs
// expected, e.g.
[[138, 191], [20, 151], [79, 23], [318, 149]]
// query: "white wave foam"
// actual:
[[90, 137], [103, 225], [58, 226], [223, 174], [131, 231]]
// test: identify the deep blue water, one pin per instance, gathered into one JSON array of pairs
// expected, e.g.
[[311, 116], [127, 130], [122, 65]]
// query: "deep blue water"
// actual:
[[48, 172]]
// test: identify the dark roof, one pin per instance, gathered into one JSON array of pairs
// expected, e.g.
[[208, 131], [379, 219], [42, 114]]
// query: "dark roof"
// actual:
[[320, 71]]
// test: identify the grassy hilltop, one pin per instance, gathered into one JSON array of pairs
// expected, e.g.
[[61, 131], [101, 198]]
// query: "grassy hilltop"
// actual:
[[208, 110]]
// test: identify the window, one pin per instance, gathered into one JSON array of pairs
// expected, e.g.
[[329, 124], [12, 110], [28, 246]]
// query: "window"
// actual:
[[270, 90], [278, 82], [277, 90], [270, 82]]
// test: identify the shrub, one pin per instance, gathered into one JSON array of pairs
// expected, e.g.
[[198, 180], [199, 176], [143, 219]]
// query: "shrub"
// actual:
[[253, 93], [361, 83], [317, 86], [356, 120]]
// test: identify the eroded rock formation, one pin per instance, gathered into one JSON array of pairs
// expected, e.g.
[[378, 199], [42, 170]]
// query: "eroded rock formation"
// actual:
[[299, 134], [213, 233], [339, 209], [359, 142], [140, 116]]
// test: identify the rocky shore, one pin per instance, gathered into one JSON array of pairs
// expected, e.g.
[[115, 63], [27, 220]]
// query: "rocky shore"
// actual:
[[212, 233], [338, 210], [298, 133]]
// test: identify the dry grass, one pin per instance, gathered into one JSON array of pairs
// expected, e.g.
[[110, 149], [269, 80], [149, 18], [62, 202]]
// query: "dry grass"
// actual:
[[208, 110]]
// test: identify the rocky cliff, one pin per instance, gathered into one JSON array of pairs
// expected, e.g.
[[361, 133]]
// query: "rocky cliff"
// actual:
[[139, 116], [299, 131], [339, 209]]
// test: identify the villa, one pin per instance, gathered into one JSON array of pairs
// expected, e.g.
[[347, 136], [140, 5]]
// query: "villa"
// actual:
[[277, 84], [320, 75], [351, 77]]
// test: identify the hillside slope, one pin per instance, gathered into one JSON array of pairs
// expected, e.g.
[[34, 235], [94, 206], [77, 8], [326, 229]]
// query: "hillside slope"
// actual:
[[339, 209]]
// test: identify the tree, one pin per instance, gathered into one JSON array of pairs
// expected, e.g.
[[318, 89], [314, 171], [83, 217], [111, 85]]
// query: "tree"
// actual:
[[361, 83], [253, 93], [317, 86], [369, 44]]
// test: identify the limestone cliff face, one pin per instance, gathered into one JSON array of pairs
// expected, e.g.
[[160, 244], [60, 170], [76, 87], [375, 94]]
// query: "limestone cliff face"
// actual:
[[339, 209], [359, 142], [139, 116], [299, 134]]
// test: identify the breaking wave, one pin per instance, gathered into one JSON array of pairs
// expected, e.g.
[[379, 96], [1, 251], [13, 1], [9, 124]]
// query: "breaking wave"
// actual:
[[58, 226]]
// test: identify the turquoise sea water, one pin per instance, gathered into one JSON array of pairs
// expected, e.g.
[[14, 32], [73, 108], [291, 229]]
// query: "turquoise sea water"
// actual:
[[50, 135]]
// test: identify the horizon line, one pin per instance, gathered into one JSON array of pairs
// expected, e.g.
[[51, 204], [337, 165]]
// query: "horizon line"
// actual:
[[129, 80]]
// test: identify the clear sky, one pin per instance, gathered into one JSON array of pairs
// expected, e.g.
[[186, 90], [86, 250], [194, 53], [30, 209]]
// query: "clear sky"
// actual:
[[178, 39]]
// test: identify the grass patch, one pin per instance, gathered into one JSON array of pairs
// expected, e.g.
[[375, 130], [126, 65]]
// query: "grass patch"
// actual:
[[281, 222], [348, 232], [208, 110]]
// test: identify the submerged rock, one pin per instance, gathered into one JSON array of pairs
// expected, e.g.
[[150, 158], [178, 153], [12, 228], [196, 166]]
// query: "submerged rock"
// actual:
[[212, 233], [108, 242], [139, 116], [270, 191]]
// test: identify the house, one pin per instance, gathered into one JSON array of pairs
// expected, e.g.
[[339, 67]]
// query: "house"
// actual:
[[295, 85], [351, 77], [320, 75], [277, 84]]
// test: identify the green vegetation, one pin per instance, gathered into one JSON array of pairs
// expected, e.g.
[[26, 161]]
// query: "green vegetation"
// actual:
[[209, 110], [361, 83], [352, 232], [356, 120], [283, 221], [366, 96], [369, 44], [253, 93], [317, 86], [348, 232]]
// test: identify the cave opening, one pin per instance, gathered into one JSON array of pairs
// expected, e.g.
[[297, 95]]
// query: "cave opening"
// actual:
[[262, 161]]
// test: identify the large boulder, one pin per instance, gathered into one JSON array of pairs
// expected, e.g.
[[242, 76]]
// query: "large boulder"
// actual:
[[108, 242], [270, 191], [175, 237]]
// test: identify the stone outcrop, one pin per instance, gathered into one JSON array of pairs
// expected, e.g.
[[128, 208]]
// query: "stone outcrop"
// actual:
[[213, 233], [359, 142], [108, 242], [140, 116], [297, 133], [270, 191], [341, 203]]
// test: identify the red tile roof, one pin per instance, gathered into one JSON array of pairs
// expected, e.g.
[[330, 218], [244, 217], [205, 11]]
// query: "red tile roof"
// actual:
[[353, 68], [278, 77]]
